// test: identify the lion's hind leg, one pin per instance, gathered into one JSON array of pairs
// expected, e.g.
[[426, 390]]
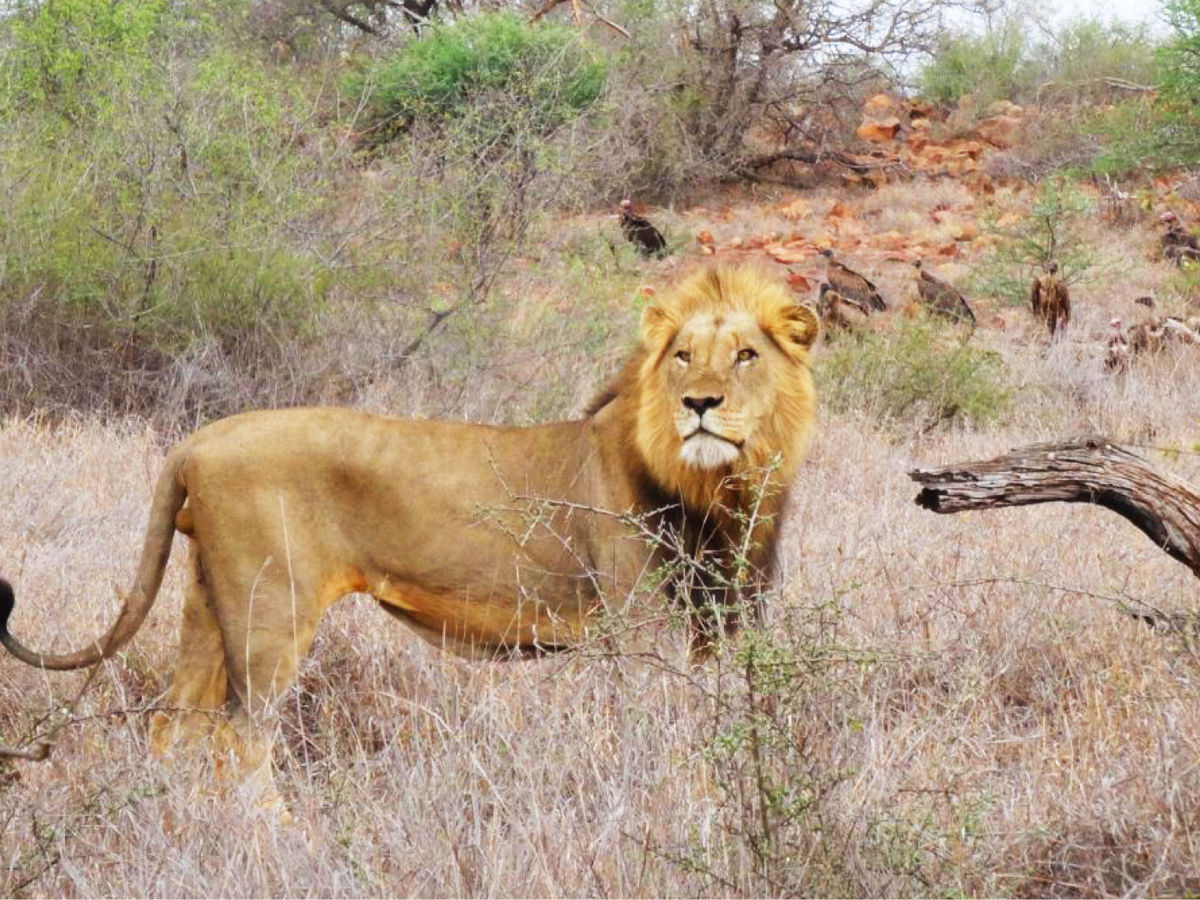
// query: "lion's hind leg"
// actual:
[[268, 619], [192, 709]]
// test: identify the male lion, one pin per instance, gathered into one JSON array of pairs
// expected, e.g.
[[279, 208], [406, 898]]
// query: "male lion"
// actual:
[[486, 540]]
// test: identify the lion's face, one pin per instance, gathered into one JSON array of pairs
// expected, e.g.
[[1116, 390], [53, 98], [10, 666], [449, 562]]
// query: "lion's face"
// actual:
[[718, 372], [725, 384]]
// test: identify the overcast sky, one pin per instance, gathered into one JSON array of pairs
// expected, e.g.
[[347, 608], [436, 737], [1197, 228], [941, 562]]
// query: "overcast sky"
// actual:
[[1148, 11]]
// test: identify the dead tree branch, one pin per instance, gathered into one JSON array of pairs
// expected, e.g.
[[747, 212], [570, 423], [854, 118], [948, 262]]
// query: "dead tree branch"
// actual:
[[38, 752], [1085, 470]]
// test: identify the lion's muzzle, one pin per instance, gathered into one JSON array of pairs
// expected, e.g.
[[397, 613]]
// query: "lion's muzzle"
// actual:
[[698, 423]]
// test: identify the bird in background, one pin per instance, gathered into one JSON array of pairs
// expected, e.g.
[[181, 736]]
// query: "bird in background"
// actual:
[[850, 285], [942, 297], [838, 312], [1050, 299], [641, 232], [1178, 243]]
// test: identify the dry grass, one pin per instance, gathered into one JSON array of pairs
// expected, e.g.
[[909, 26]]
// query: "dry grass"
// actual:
[[970, 712]]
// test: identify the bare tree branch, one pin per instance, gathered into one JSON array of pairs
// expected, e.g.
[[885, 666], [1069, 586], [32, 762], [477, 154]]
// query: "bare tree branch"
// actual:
[[342, 12], [1085, 470], [37, 753]]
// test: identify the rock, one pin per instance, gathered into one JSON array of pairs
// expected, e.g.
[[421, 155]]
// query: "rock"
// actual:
[[879, 131], [999, 131]]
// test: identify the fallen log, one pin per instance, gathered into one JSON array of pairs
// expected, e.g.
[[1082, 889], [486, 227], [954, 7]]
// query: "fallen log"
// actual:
[[1084, 470]]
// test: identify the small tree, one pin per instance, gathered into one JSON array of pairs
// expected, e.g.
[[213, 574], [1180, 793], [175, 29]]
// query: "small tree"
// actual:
[[1053, 231]]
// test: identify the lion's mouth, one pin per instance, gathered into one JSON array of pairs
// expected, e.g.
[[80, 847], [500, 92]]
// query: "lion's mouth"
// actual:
[[701, 431], [707, 450]]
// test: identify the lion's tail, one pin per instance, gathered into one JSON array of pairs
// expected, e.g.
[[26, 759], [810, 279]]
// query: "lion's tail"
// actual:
[[169, 496]]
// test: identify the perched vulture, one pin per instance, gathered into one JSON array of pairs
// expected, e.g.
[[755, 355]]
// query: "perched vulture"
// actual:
[[641, 233], [1116, 359], [1178, 243], [1145, 337], [838, 312], [1050, 299], [1151, 336], [942, 297], [849, 284]]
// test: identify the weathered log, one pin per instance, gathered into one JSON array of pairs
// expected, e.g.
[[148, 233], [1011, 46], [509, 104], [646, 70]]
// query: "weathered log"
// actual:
[[1084, 470]]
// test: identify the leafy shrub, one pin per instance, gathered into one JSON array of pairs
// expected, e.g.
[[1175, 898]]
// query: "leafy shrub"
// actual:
[[541, 75], [153, 191], [917, 374], [1091, 50], [68, 54], [1075, 65], [988, 66], [1180, 78]]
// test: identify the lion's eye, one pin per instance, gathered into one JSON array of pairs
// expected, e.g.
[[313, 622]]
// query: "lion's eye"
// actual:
[[684, 357], [744, 356]]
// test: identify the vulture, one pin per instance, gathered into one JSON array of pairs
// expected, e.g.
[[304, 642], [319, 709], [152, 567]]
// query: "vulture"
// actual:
[[942, 297], [641, 233], [1178, 243], [1116, 359], [1151, 336], [1050, 299], [837, 311], [1154, 334], [849, 284]]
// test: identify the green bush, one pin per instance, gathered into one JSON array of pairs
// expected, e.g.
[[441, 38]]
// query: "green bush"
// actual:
[[1180, 57], [65, 52], [156, 204], [539, 76], [988, 66], [1004, 63], [919, 374], [126, 220], [1090, 50]]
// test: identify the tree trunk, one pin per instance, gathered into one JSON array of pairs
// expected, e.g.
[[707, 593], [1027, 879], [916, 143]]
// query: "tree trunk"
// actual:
[[1085, 470]]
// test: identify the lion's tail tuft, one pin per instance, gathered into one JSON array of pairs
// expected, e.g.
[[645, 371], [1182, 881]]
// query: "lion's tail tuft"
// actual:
[[7, 600]]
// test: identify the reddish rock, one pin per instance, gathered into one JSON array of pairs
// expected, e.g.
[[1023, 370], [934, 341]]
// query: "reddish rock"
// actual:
[[880, 130]]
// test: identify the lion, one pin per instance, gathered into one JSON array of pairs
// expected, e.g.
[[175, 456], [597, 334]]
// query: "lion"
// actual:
[[489, 541]]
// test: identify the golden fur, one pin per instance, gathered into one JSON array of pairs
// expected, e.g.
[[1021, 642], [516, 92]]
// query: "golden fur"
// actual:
[[486, 540]]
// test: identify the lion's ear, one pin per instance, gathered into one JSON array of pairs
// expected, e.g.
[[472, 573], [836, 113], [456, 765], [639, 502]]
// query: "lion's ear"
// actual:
[[658, 327], [797, 326]]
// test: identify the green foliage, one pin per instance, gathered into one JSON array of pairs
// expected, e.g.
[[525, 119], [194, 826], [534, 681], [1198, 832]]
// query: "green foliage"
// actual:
[[1054, 230], [919, 373], [1172, 140], [1139, 132], [64, 52], [1003, 63], [1180, 57], [989, 66], [150, 188], [536, 77], [1087, 50]]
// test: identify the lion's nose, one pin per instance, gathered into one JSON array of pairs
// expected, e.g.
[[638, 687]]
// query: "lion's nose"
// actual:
[[701, 405]]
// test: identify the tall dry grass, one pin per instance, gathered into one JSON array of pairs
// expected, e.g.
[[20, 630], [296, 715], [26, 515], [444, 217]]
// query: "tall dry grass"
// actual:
[[962, 707]]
